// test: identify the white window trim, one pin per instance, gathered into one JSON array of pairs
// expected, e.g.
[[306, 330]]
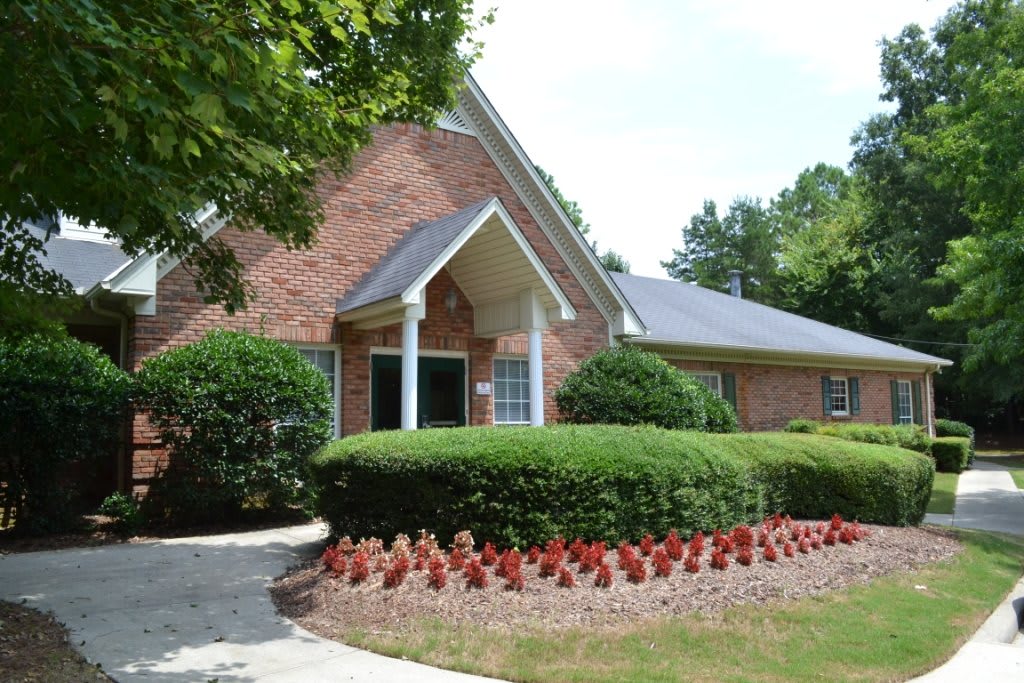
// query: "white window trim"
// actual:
[[336, 389], [846, 388], [494, 392], [697, 374], [900, 383]]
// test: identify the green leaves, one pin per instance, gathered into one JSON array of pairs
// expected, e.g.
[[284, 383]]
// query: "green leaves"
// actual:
[[152, 107]]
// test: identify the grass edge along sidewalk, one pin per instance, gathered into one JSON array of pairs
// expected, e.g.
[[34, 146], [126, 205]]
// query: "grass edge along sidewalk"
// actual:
[[892, 629]]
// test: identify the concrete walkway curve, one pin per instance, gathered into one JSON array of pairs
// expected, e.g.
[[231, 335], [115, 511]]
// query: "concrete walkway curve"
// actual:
[[194, 609], [988, 499]]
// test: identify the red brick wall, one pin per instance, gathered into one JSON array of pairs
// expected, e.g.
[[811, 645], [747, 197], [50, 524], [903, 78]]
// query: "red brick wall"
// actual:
[[407, 175], [769, 396]]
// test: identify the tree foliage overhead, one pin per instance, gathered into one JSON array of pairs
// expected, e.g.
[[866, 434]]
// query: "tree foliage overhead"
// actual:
[[134, 115]]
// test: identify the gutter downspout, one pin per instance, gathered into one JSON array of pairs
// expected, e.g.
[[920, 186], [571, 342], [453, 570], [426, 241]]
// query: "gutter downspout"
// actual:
[[122, 318], [928, 401]]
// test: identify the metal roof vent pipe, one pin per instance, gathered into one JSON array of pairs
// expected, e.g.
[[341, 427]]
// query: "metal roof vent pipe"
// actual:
[[735, 283]]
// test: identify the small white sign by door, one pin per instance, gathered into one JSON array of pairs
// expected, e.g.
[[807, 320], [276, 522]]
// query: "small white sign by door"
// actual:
[[483, 388]]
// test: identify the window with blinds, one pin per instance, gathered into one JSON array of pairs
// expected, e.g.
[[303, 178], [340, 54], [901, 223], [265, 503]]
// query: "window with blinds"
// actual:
[[511, 391], [324, 361]]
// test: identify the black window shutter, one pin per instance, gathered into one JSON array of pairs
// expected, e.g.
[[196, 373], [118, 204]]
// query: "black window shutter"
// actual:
[[854, 395], [826, 395], [729, 389], [894, 388], [916, 389]]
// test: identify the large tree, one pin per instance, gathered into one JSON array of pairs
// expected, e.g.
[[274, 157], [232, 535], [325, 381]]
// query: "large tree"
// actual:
[[132, 115], [746, 238]]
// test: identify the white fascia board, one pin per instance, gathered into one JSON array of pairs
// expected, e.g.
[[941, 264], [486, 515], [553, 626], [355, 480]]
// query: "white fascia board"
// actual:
[[796, 355], [634, 323], [412, 293]]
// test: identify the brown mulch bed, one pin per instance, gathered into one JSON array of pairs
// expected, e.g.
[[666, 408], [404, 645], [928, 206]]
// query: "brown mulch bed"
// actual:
[[331, 606], [34, 647]]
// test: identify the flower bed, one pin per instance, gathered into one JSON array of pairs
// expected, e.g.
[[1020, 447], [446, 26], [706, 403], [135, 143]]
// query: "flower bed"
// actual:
[[567, 584]]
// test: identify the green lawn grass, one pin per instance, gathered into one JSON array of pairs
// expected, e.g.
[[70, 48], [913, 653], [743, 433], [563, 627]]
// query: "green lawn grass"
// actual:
[[888, 630], [943, 493], [1015, 461]]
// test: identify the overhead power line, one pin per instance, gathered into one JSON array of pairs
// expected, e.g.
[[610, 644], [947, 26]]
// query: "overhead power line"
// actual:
[[915, 341]]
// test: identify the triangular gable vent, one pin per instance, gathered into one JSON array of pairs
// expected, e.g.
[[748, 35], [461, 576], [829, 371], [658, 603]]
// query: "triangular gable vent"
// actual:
[[454, 122]]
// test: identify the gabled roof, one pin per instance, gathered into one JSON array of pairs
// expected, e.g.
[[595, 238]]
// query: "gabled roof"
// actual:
[[83, 263], [408, 258], [684, 315], [466, 241]]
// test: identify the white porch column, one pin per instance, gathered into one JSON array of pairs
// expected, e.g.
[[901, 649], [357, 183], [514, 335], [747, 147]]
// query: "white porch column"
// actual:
[[536, 363], [410, 363]]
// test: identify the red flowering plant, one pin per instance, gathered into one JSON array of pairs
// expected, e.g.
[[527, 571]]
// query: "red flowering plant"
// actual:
[[550, 561], [745, 555], [692, 563], [488, 555], [788, 550], [456, 561], [636, 572], [673, 546], [770, 553], [762, 536], [604, 577], [830, 537], [742, 535], [845, 535], [718, 559], [837, 522], [594, 557], [565, 578], [360, 569], [816, 542], [626, 554], [394, 575], [647, 545], [697, 544], [577, 549], [476, 575], [437, 577], [804, 545], [662, 562], [532, 555]]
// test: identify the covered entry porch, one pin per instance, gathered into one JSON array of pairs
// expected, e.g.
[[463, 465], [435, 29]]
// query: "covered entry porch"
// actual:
[[493, 272]]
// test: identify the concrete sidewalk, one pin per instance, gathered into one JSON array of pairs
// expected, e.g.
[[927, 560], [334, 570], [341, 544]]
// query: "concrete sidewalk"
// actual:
[[193, 609], [987, 498]]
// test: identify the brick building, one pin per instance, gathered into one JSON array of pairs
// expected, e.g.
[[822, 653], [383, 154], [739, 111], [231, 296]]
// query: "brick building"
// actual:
[[448, 288]]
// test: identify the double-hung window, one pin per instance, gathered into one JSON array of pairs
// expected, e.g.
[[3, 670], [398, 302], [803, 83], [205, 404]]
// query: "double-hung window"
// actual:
[[840, 396], [326, 361], [904, 402], [712, 380], [511, 391]]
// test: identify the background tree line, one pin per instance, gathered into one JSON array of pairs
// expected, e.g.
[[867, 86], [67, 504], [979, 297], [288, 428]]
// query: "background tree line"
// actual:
[[922, 237]]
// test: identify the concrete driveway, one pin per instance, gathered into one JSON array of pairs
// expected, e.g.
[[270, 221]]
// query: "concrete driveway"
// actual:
[[193, 609]]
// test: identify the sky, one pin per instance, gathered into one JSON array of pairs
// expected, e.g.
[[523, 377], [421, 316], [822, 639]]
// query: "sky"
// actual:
[[642, 110]]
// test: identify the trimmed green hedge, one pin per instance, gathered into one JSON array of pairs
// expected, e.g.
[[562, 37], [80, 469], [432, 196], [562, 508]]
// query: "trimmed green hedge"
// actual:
[[951, 453], [518, 486], [911, 437], [955, 428]]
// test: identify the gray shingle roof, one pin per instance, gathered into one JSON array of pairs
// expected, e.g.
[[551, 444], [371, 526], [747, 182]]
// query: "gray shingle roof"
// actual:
[[679, 313], [83, 263], [408, 258]]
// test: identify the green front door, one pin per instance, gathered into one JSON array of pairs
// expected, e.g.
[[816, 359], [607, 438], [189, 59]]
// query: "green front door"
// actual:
[[441, 392]]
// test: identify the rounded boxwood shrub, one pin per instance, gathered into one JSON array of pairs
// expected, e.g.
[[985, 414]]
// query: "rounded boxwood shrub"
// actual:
[[240, 415], [518, 486], [629, 386], [951, 453], [61, 401]]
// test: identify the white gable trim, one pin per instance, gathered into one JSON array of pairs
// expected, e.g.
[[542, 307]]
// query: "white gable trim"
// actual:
[[520, 173], [412, 293]]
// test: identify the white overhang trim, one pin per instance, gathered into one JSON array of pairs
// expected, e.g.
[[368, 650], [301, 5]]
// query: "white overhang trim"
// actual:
[[555, 224], [412, 293], [787, 356]]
